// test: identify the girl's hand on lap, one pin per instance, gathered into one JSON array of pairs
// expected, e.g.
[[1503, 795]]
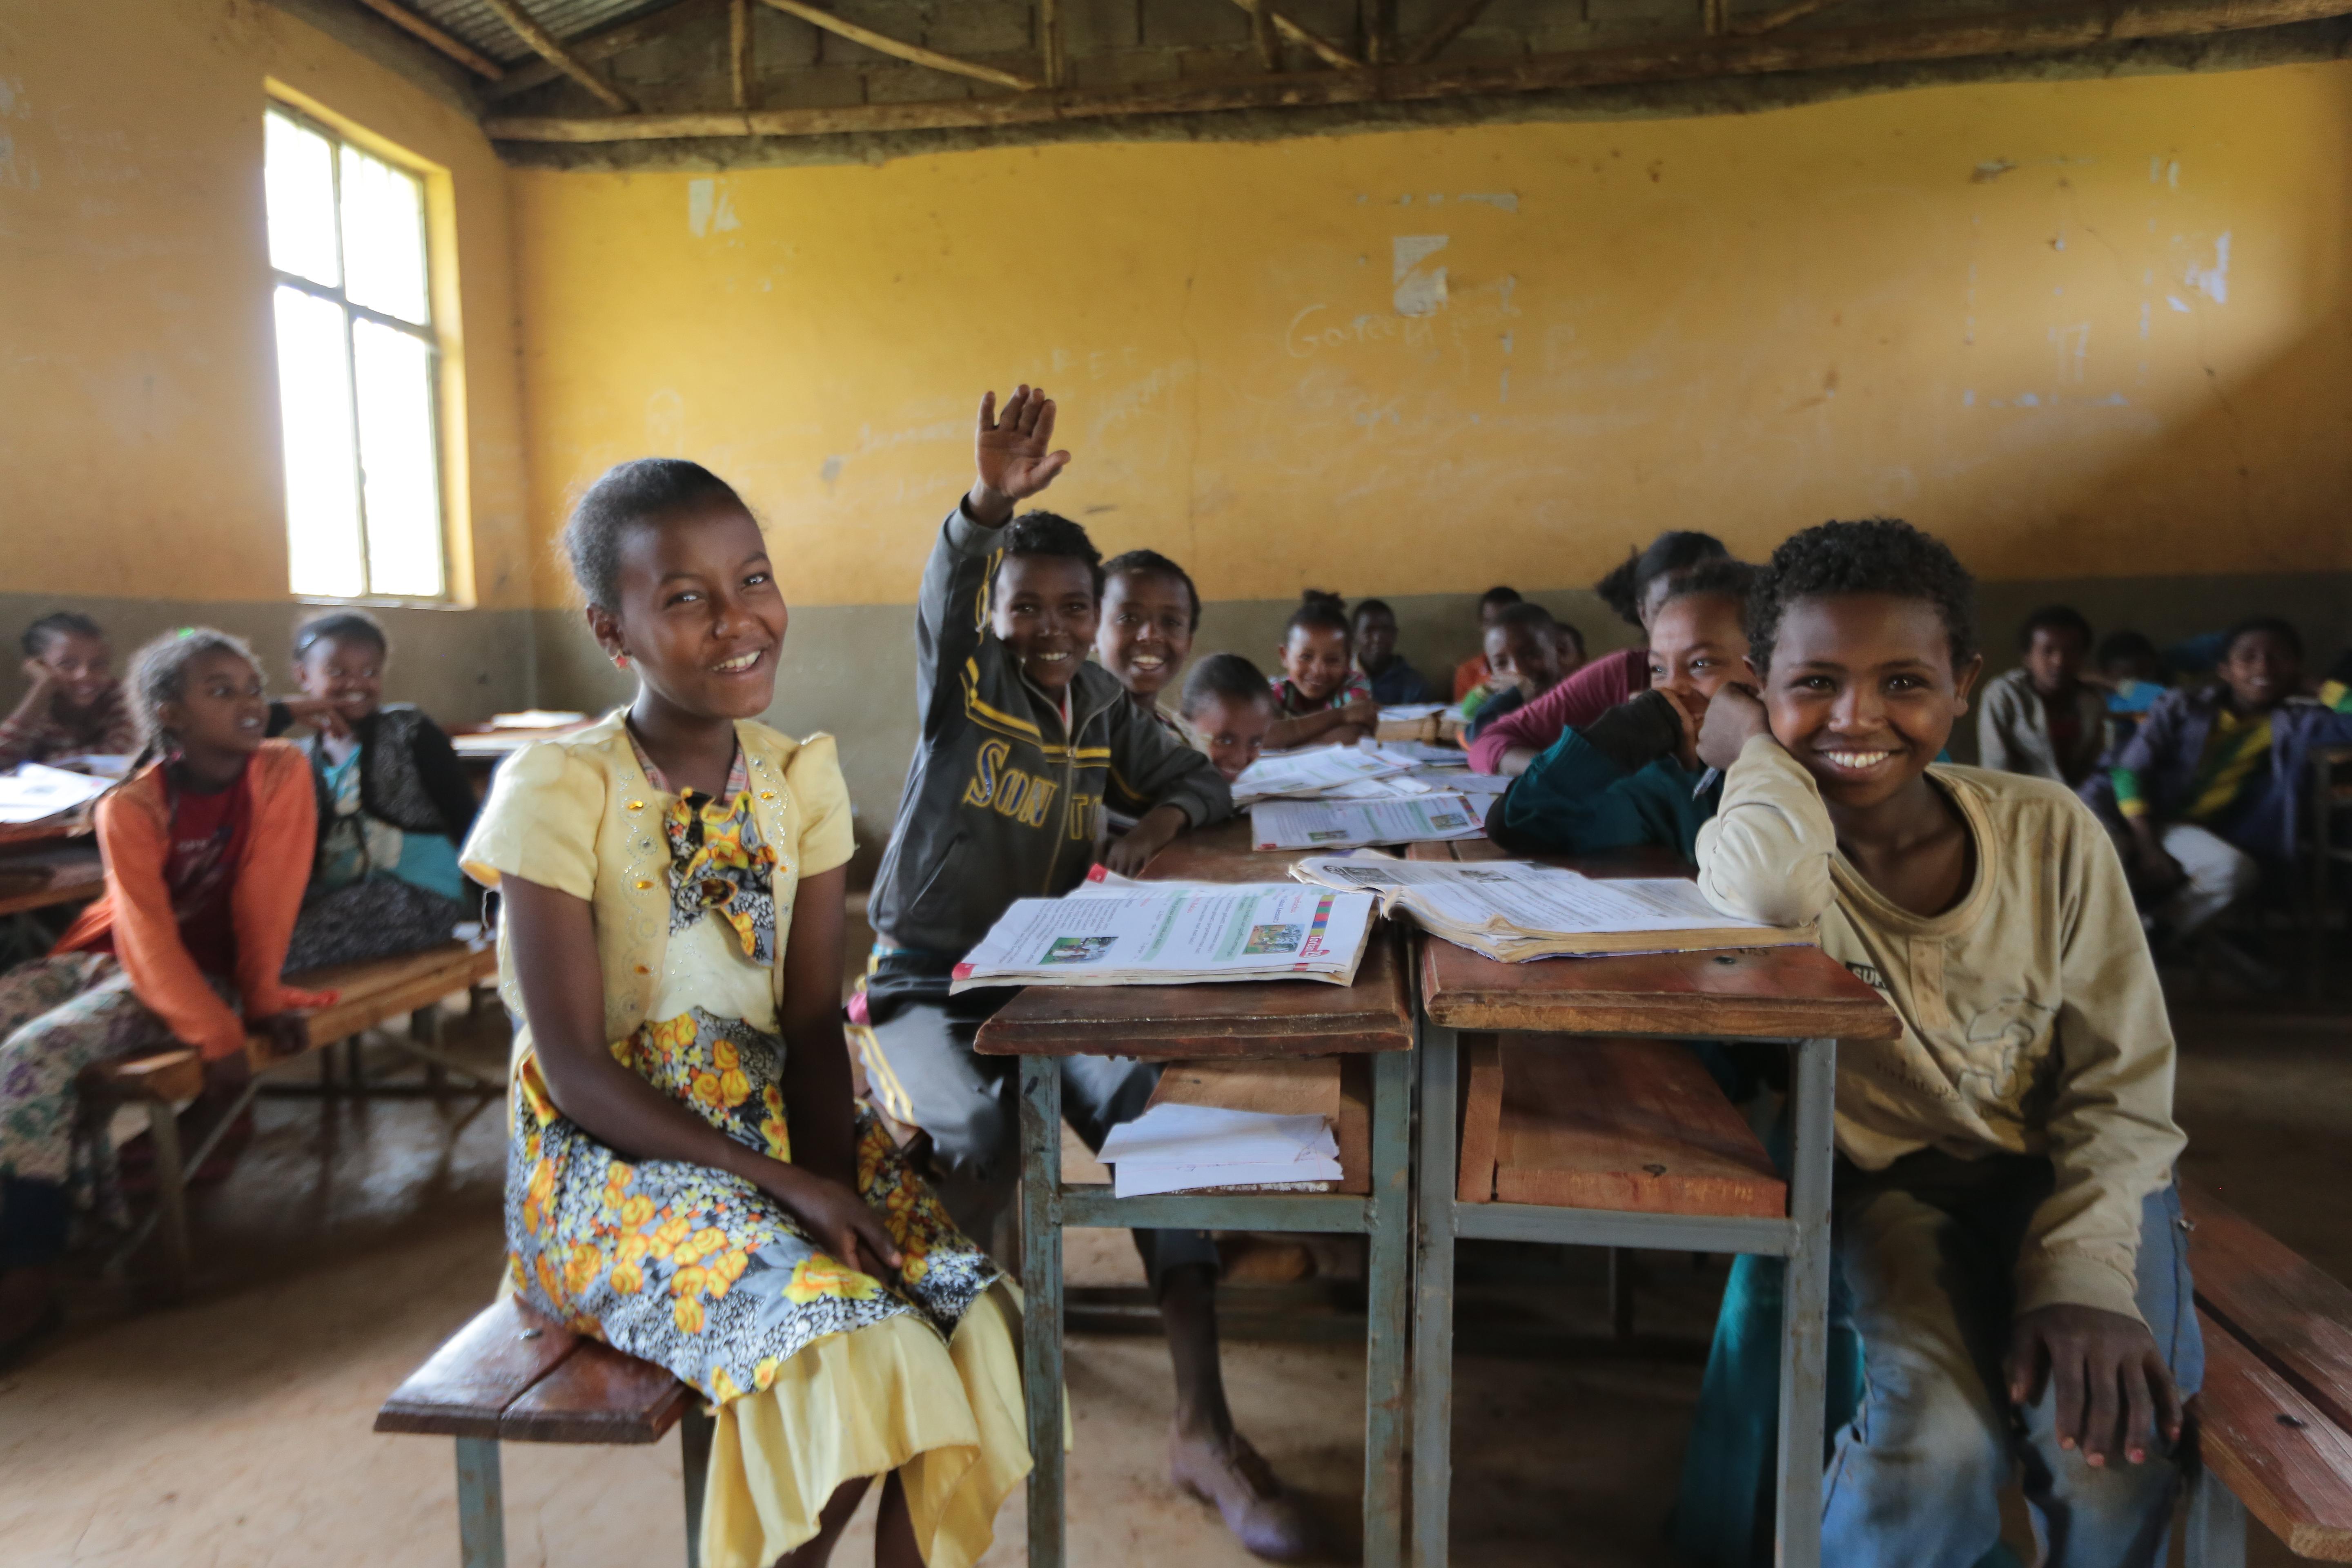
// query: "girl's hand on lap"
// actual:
[[1013, 453], [1735, 716], [838, 1220], [2112, 1386]]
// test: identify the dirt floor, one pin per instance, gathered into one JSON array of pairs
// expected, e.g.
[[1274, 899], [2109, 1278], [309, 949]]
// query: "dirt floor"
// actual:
[[233, 1428]]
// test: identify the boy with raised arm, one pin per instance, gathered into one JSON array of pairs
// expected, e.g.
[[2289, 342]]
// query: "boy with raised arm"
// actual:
[[2005, 1210], [1023, 745]]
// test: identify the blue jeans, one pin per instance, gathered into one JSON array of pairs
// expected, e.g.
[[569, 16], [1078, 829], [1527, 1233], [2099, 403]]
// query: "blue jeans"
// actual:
[[1927, 1249]]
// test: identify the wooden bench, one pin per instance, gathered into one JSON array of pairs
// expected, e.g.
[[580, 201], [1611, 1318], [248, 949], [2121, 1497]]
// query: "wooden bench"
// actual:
[[368, 995], [512, 1376], [2274, 1423]]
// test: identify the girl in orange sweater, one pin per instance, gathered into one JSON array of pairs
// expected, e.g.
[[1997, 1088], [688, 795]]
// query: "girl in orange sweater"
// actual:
[[206, 854]]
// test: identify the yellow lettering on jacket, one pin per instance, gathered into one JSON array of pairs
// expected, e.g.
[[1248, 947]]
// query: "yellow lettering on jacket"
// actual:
[[1018, 796], [1082, 816], [983, 787]]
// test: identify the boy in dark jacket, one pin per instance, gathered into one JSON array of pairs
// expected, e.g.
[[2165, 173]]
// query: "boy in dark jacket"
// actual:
[[1024, 745]]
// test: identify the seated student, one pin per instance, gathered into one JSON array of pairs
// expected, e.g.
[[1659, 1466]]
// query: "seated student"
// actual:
[[1522, 661], [2006, 1224], [1632, 776], [2209, 791], [688, 1176], [1571, 647], [1472, 672], [1320, 699], [1393, 681], [1022, 741], [205, 854], [2134, 678], [2043, 717], [1149, 613], [72, 706], [1229, 710], [393, 805], [1633, 590]]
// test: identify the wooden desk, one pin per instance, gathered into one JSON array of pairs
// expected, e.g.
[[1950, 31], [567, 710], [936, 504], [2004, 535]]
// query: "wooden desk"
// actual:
[[1796, 996], [48, 872], [1173, 1023]]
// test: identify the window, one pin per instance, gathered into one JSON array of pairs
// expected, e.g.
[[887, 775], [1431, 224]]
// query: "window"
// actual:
[[358, 366]]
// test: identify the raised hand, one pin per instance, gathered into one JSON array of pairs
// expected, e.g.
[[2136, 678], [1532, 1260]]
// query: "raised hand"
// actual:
[[1013, 453]]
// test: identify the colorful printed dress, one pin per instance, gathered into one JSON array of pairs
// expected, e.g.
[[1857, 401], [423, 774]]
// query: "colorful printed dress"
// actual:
[[821, 1373]]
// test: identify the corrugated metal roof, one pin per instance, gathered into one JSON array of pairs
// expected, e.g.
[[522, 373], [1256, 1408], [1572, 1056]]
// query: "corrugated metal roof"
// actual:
[[479, 27]]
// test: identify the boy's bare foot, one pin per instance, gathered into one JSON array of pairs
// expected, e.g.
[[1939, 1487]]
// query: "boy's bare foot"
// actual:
[[1263, 1515]]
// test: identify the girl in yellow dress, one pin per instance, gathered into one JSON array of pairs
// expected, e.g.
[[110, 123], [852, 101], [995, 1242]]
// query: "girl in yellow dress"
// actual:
[[689, 1178]]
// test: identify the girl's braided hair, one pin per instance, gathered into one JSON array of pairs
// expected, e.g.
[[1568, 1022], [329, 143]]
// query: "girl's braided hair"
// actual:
[[159, 676]]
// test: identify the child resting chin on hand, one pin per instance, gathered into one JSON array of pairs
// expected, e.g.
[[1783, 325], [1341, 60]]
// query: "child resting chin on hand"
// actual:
[[1320, 699]]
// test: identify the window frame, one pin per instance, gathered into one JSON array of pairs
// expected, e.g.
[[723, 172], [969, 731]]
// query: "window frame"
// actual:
[[428, 334]]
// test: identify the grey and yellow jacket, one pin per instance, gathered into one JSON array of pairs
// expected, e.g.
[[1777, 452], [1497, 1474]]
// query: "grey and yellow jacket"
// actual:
[[1000, 801]]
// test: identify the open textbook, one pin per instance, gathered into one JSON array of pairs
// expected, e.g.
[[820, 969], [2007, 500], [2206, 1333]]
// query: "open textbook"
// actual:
[[1348, 824], [1180, 1148], [34, 793], [1517, 909], [1174, 934]]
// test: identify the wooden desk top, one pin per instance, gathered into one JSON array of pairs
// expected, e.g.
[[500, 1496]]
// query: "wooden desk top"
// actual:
[[1758, 993], [1181, 1022], [40, 873]]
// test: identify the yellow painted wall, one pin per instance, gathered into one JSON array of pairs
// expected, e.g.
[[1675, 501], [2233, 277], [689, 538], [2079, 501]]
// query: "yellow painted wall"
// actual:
[[2083, 329], [138, 385]]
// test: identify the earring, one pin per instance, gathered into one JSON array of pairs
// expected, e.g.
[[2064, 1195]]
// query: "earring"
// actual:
[[620, 661]]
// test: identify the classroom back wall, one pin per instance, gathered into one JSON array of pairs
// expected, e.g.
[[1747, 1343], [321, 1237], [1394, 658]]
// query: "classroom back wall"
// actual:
[[2092, 332]]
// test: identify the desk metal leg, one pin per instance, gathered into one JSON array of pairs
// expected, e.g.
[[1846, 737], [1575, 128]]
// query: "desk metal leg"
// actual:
[[1432, 1299], [1388, 1283], [1804, 1326], [481, 1505], [694, 1431], [1041, 1284]]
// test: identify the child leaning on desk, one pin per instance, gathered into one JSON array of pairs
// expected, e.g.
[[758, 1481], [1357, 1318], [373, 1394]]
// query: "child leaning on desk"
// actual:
[[2006, 1225], [1023, 744]]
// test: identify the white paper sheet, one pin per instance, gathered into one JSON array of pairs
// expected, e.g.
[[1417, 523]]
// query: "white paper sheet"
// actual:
[[1406, 712], [1313, 771], [1346, 825], [1175, 935], [1177, 1147], [34, 792], [1533, 897]]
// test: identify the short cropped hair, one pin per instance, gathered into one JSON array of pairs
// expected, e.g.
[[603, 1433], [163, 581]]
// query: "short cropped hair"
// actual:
[[2053, 619], [1227, 675], [1527, 614], [1877, 556], [1676, 550], [637, 494], [159, 675], [340, 626], [1371, 606], [1152, 564], [59, 624], [1497, 594], [2278, 627], [1050, 533], [1318, 608]]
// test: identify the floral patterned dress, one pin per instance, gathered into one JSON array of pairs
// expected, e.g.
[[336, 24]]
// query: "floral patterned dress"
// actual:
[[682, 1264]]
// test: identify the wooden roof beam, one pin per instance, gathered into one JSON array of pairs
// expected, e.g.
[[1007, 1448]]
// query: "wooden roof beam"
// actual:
[[551, 48], [1324, 49], [1795, 10], [591, 47], [913, 53], [1449, 27], [416, 27]]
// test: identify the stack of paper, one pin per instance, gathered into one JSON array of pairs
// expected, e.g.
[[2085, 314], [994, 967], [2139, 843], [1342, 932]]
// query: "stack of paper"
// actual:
[[34, 793], [1516, 909], [1348, 824], [1315, 772], [1163, 934], [1179, 1147]]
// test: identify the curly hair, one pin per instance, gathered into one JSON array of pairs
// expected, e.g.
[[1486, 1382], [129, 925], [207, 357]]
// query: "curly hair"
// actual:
[[159, 676], [636, 494], [1224, 675], [1877, 556], [1318, 607], [340, 626], [59, 624], [1050, 533], [1676, 550], [1152, 564]]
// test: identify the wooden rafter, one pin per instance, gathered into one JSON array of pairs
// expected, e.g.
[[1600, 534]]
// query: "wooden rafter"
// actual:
[[1449, 27], [1715, 16], [897, 49], [1961, 38], [550, 50], [409, 22], [1795, 10], [591, 47], [739, 51], [1262, 34], [1324, 49], [1049, 43]]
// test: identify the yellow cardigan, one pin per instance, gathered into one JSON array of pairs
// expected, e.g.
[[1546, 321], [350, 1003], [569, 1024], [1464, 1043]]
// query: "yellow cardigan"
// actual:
[[578, 815]]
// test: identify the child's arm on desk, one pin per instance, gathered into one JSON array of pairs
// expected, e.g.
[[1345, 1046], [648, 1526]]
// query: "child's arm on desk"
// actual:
[[1341, 724], [1766, 855]]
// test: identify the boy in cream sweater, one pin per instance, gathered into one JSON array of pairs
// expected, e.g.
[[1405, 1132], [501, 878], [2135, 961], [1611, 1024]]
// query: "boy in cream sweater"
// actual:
[[2005, 1215]]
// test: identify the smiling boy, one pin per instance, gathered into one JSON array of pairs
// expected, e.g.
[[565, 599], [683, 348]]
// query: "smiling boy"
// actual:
[[2005, 1215]]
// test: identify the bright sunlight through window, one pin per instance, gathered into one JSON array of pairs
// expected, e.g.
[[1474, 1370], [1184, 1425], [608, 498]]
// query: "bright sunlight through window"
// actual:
[[356, 367]]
